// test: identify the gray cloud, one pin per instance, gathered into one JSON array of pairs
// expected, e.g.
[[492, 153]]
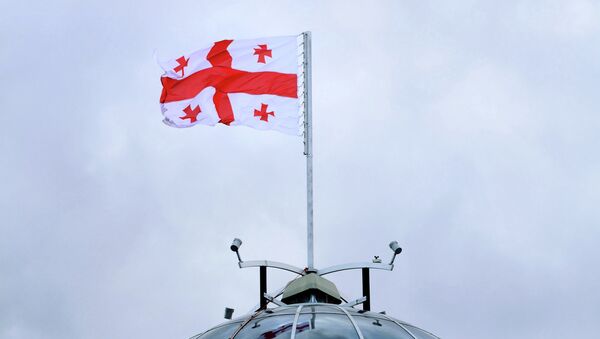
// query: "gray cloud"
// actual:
[[467, 131]]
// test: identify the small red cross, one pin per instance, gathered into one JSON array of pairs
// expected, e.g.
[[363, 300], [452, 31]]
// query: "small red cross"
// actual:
[[190, 113], [262, 52], [263, 114], [182, 63]]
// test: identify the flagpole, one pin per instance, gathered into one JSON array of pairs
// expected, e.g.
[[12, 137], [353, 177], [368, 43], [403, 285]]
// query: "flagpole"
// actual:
[[308, 147]]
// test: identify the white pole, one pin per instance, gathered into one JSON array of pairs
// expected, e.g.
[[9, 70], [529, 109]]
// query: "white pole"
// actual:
[[308, 148]]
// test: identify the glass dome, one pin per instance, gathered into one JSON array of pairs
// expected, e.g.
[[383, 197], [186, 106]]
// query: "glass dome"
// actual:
[[315, 321]]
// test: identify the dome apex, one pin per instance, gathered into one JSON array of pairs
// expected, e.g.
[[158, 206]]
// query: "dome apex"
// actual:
[[311, 288]]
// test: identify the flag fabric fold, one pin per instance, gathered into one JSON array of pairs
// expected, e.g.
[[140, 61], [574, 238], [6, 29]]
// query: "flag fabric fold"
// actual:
[[250, 83]]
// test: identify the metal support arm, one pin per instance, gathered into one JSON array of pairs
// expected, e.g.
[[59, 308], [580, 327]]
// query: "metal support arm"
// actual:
[[272, 264], [355, 266], [354, 302], [272, 299]]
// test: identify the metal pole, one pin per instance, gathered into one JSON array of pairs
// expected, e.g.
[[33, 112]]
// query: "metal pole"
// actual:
[[366, 287], [308, 147], [263, 287]]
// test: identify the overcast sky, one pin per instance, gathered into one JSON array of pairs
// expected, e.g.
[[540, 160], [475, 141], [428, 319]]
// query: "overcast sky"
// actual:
[[468, 131]]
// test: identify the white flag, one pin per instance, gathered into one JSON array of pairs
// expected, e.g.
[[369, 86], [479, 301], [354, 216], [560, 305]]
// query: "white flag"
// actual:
[[235, 82]]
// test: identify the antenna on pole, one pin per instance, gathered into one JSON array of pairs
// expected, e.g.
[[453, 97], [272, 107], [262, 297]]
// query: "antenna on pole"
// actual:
[[307, 68]]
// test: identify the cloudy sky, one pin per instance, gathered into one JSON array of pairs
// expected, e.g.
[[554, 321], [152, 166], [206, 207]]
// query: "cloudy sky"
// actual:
[[468, 131]]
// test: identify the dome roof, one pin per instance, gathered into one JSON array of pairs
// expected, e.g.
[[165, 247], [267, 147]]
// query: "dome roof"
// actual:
[[315, 320]]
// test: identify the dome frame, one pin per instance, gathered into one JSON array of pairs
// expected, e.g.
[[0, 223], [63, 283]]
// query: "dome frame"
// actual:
[[292, 324]]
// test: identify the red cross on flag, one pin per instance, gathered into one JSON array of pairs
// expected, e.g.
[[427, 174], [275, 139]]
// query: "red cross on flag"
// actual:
[[235, 82]]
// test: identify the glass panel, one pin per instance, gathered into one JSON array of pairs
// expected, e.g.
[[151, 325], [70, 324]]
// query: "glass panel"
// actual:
[[276, 326], [419, 333], [220, 332], [326, 326], [320, 309], [281, 310], [374, 328]]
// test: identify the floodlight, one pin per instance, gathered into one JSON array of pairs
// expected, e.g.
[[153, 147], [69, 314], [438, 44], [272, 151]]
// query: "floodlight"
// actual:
[[235, 245]]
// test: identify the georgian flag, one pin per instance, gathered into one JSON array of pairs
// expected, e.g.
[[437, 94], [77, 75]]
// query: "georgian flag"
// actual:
[[235, 82]]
